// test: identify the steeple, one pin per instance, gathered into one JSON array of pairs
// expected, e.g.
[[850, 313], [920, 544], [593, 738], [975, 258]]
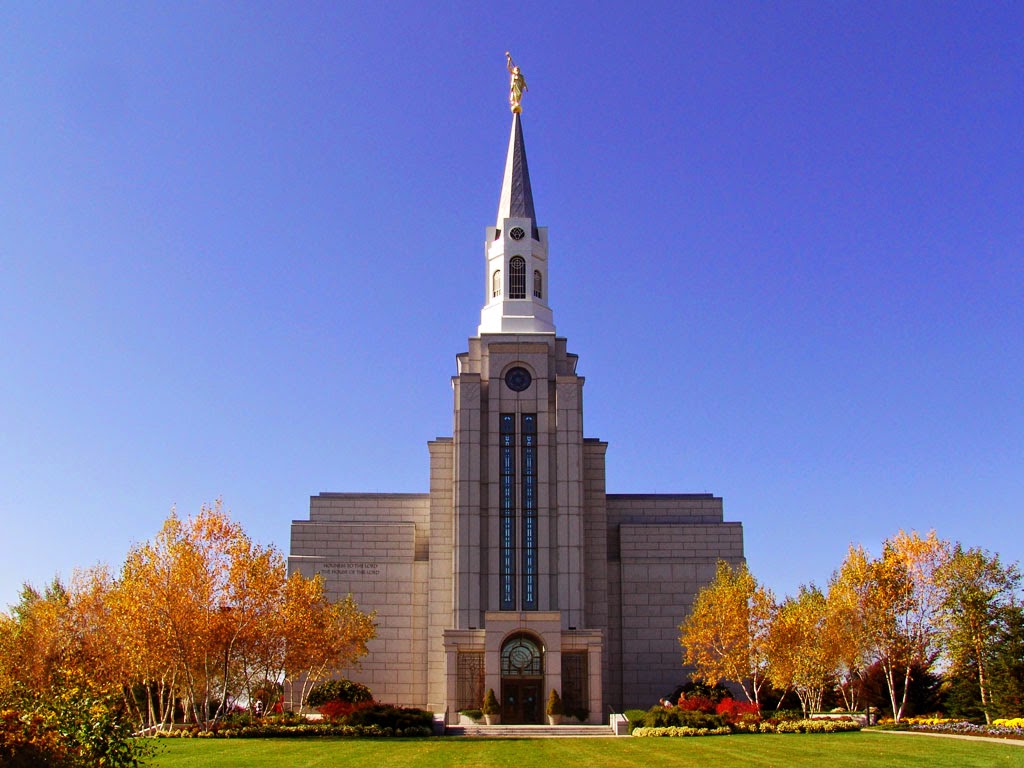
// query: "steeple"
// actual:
[[516, 199], [515, 248]]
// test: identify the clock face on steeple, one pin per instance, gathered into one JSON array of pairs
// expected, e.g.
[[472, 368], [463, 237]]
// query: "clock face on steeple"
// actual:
[[518, 379], [517, 233]]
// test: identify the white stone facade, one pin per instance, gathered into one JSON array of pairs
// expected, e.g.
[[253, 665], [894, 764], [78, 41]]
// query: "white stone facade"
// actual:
[[517, 571]]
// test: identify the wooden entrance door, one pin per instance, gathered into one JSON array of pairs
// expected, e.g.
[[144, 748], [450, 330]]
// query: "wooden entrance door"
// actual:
[[521, 702]]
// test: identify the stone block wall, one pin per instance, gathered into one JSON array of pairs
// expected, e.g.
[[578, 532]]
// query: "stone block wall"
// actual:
[[662, 551], [373, 546], [439, 607]]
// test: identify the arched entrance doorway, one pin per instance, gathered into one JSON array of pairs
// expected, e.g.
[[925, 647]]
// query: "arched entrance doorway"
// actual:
[[522, 679]]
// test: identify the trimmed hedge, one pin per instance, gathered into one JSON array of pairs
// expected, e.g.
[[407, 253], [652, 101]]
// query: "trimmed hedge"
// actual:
[[396, 718], [673, 717], [635, 717]]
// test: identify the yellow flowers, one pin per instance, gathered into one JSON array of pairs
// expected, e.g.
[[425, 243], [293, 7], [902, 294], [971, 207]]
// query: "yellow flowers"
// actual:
[[1009, 722]]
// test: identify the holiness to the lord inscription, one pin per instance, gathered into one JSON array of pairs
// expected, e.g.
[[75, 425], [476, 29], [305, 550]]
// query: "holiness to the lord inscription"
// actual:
[[350, 569]]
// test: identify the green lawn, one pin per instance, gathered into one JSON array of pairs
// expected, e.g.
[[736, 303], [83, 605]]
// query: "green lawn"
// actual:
[[856, 750]]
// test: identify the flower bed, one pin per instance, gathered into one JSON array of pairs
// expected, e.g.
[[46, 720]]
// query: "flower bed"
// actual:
[[963, 728], [1001, 728], [926, 720], [702, 716], [302, 730], [681, 730], [364, 720], [784, 726]]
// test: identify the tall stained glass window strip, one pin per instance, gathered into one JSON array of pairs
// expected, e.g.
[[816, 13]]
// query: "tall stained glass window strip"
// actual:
[[507, 565], [529, 506], [517, 278]]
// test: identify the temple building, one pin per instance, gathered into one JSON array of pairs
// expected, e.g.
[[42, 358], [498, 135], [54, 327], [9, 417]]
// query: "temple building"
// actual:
[[517, 571]]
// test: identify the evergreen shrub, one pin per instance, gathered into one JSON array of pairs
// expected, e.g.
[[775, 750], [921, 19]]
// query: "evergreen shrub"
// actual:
[[668, 717], [635, 717], [554, 706], [388, 716], [490, 706], [338, 690]]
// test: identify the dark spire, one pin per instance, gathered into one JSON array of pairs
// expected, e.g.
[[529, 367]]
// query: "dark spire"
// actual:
[[516, 196]]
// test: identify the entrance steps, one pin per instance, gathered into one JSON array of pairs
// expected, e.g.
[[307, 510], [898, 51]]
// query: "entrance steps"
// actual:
[[529, 731]]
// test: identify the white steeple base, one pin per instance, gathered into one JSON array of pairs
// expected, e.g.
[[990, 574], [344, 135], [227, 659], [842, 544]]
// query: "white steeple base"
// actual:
[[515, 316]]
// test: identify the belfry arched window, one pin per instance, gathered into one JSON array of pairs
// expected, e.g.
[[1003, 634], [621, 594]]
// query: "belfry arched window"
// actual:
[[521, 656], [538, 284], [496, 283], [517, 278]]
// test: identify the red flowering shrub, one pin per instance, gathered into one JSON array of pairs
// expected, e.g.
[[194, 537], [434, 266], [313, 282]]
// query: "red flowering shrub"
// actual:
[[338, 710], [697, 704], [734, 711]]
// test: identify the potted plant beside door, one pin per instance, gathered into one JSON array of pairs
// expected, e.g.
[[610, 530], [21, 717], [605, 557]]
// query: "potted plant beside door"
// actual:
[[554, 709], [491, 710]]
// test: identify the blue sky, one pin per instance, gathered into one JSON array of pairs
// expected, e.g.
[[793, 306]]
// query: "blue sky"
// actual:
[[241, 244]]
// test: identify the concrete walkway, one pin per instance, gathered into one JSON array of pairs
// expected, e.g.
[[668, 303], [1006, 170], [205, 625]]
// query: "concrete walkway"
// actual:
[[993, 739]]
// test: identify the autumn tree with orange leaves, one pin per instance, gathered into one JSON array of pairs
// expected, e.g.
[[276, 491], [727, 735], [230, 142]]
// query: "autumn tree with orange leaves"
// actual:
[[899, 602], [199, 618], [36, 639], [321, 637], [227, 621], [725, 637], [801, 648], [920, 603]]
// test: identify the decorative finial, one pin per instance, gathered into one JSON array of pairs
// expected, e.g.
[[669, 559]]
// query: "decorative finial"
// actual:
[[516, 86]]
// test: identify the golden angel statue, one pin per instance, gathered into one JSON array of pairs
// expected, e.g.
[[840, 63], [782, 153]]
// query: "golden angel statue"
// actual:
[[517, 85]]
